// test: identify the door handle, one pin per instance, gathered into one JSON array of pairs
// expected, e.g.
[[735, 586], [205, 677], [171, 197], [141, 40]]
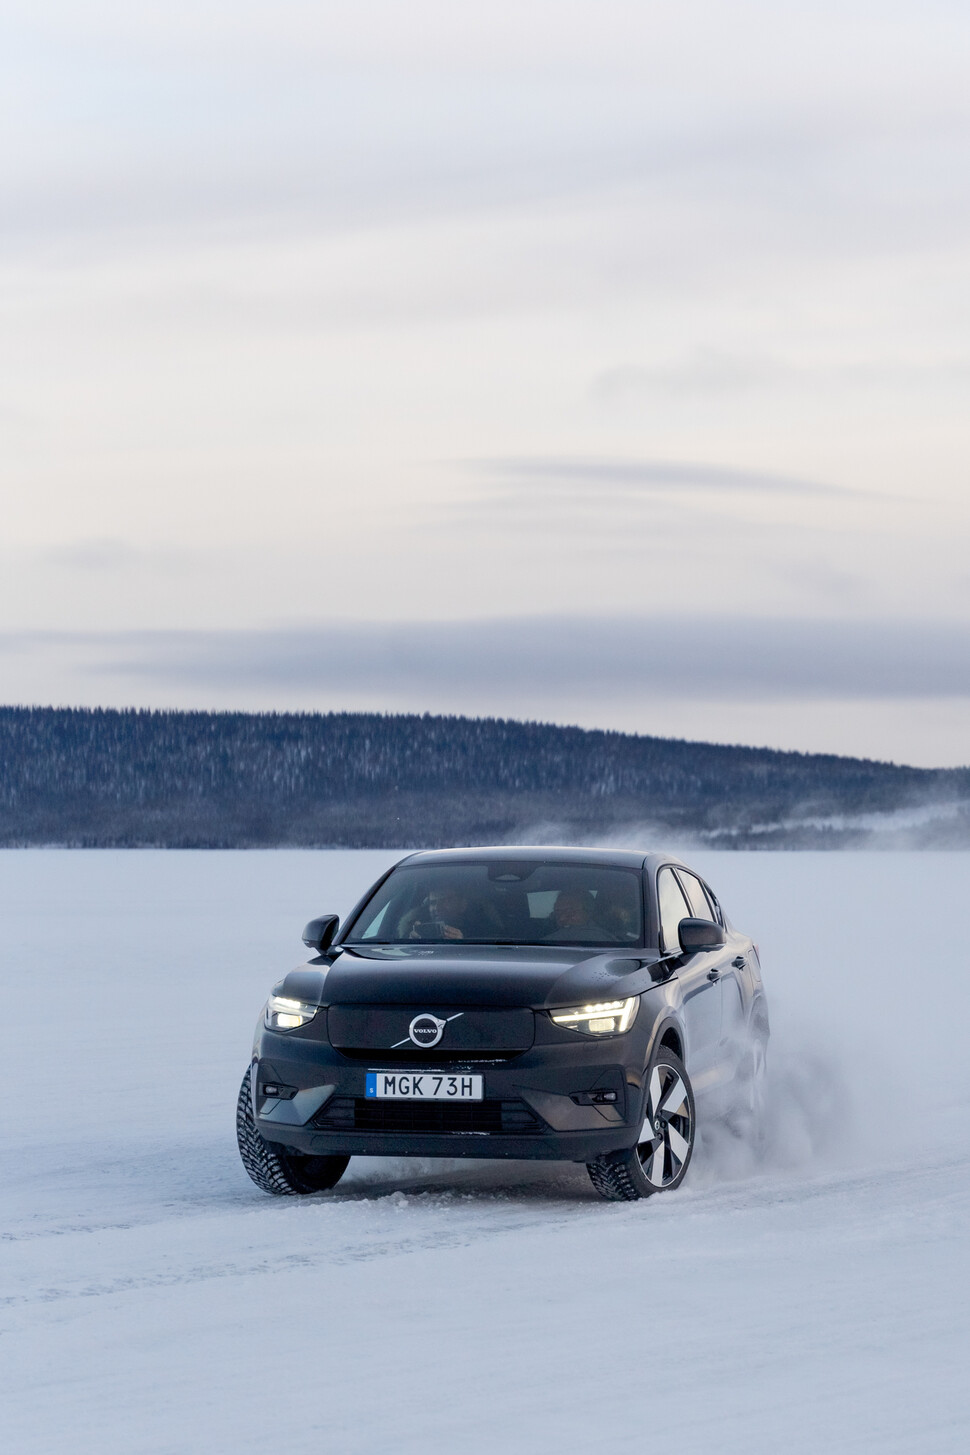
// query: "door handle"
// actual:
[[714, 974], [739, 962]]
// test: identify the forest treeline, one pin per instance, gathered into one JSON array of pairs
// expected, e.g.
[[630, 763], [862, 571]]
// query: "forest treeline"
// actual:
[[136, 778]]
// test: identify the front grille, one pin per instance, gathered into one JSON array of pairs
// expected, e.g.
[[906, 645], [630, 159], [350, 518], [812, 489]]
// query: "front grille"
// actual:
[[467, 1030], [361, 1114], [427, 1058]]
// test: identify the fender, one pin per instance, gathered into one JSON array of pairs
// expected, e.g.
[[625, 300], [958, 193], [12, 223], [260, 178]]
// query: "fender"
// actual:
[[305, 983]]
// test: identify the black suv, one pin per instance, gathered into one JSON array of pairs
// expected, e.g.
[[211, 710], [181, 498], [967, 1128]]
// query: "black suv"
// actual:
[[510, 1002]]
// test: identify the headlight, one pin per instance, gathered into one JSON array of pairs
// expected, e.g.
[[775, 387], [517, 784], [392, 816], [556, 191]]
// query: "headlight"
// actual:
[[608, 1018], [282, 1014]]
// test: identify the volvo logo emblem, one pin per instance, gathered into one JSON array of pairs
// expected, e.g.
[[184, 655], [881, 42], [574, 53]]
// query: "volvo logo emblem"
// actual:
[[426, 1030]]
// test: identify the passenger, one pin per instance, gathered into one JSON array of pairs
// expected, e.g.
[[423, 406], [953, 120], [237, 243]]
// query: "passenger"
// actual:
[[572, 917], [618, 915]]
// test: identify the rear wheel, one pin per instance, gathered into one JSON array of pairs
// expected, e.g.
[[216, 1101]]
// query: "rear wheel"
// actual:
[[660, 1159], [747, 1115], [278, 1169]]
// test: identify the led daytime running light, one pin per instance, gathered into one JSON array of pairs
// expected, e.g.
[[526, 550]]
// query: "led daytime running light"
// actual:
[[606, 1017], [284, 1014]]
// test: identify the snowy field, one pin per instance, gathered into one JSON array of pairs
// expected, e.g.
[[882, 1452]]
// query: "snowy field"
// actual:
[[152, 1300]]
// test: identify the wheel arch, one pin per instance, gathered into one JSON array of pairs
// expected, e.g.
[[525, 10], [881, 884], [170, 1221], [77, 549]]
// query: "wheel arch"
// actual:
[[759, 1025], [671, 1035]]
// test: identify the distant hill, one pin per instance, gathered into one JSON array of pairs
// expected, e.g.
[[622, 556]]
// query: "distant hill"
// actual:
[[103, 778]]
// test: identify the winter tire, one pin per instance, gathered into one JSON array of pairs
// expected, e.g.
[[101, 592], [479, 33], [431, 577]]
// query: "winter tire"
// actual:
[[660, 1159], [274, 1168], [747, 1116]]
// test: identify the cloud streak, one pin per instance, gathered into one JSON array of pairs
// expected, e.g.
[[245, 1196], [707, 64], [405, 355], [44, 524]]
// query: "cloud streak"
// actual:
[[110, 554], [652, 476], [710, 375], [703, 658]]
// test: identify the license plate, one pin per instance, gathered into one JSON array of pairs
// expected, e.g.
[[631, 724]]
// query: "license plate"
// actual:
[[423, 1086]]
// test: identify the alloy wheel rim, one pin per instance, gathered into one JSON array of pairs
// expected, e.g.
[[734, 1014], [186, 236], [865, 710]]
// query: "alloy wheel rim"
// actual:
[[668, 1127]]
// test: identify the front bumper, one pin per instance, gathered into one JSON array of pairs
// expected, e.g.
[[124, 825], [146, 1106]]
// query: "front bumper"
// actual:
[[563, 1101]]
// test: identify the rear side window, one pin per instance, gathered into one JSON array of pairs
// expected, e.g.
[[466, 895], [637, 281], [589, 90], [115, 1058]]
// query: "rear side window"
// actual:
[[673, 908], [700, 905]]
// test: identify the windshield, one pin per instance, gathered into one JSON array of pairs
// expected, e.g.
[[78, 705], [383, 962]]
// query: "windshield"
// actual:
[[503, 904]]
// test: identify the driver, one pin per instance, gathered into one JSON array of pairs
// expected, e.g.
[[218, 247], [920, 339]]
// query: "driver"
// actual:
[[449, 912], [447, 907]]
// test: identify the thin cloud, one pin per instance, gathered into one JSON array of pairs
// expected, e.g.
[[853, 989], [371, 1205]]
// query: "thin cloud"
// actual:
[[109, 555], [642, 476], [706, 658], [711, 373]]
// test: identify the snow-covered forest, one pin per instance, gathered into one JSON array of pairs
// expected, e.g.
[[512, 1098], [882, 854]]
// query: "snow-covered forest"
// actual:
[[100, 778]]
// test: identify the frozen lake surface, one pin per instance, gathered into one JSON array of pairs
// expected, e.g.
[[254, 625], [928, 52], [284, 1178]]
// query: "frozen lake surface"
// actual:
[[152, 1300]]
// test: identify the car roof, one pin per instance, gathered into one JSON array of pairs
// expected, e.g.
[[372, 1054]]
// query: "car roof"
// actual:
[[543, 853]]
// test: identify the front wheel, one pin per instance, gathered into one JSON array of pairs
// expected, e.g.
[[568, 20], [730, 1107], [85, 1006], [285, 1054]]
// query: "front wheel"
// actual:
[[659, 1161], [278, 1169]]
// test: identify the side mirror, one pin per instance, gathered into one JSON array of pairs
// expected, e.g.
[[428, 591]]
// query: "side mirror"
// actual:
[[319, 933], [700, 934]]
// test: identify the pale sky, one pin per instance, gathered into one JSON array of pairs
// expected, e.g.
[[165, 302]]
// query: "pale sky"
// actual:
[[604, 363]]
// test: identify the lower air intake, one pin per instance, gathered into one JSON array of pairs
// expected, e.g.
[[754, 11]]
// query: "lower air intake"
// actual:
[[360, 1114]]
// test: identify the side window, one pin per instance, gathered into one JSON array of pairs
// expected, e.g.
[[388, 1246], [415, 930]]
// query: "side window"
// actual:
[[700, 906], [673, 908]]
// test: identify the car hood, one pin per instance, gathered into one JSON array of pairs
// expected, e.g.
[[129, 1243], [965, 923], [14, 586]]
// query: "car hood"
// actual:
[[534, 976]]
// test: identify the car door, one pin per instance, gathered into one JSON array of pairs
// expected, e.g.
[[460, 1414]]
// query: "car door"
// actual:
[[699, 981], [737, 988], [727, 962]]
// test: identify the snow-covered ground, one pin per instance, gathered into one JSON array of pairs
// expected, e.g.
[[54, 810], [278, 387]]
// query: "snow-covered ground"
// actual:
[[152, 1300]]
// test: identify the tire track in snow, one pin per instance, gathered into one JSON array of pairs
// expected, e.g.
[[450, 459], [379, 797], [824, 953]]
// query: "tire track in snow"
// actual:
[[930, 1185]]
